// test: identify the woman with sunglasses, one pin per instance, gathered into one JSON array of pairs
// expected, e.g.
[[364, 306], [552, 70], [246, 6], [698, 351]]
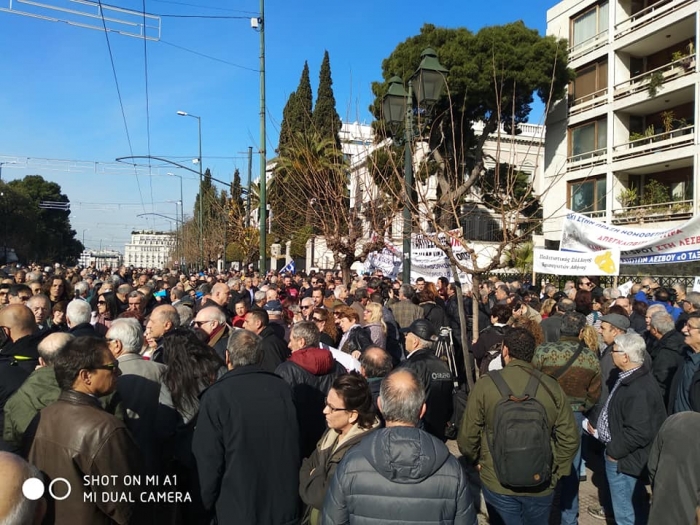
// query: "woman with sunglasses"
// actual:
[[350, 416], [107, 311], [325, 322]]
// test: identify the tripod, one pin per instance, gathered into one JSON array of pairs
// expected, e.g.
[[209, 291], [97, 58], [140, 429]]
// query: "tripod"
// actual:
[[445, 350]]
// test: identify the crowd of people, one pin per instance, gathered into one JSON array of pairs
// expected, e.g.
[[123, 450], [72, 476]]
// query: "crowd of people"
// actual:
[[170, 397]]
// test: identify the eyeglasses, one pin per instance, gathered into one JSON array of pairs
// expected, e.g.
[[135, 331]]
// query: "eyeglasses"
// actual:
[[101, 302], [692, 327], [317, 320], [24, 298], [332, 408], [112, 367], [200, 323], [587, 283], [306, 307]]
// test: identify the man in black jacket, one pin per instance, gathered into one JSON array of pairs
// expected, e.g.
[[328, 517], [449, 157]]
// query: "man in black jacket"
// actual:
[[274, 349], [669, 351], [685, 389], [248, 471], [551, 327], [627, 426], [433, 373]]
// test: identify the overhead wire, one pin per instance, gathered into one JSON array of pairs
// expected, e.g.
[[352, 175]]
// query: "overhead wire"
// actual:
[[208, 56], [121, 102], [206, 7], [148, 110]]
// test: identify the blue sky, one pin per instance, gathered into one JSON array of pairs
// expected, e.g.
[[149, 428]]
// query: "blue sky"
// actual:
[[59, 99]]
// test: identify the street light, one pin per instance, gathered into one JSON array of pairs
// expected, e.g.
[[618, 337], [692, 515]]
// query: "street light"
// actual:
[[182, 218], [201, 212], [397, 107], [85, 230]]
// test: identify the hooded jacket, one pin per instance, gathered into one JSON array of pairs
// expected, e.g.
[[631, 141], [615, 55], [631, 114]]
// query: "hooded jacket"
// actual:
[[310, 372], [399, 475]]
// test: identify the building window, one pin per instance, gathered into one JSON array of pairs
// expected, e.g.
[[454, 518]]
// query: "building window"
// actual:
[[589, 25], [588, 196], [588, 140], [591, 81]]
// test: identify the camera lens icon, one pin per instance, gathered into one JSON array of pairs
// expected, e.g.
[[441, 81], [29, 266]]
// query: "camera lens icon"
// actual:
[[34, 488]]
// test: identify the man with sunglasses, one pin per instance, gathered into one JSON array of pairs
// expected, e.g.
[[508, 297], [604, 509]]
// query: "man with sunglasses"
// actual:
[[75, 439]]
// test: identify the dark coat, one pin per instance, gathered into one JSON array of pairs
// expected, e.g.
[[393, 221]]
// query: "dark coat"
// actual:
[[310, 372], [247, 448], [693, 395], [75, 437], [11, 378], [358, 339], [488, 337], [274, 349], [437, 379], [674, 467], [551, 328], [635, 414], [670, 354], [83, 330], [399, 475], [436, 315]]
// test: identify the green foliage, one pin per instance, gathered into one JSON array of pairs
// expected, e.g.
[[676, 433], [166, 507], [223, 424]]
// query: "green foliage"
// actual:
[[507, 185], [656, 81], [493, 75], [655, 193], [326, 121], [37, 234], [521, 257], [299, 238], [627, 197], [237, 204], [297, 113], [386, 166]]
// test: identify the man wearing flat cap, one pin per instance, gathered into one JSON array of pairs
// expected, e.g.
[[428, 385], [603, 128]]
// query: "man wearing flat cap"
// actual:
[[433, 373]]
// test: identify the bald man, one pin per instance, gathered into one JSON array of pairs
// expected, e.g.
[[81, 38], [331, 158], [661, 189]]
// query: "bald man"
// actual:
[[14, 507], [18, 354], [40, 389]]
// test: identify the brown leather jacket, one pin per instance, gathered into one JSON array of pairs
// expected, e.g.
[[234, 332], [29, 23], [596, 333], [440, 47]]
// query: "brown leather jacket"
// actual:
[[73, 438]]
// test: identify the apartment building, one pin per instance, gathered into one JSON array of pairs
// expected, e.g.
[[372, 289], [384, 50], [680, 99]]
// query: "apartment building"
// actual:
[[149, 249], [622, 146]]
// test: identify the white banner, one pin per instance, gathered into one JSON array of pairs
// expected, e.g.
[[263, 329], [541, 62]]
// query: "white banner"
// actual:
[[642, 246], [605, 262]]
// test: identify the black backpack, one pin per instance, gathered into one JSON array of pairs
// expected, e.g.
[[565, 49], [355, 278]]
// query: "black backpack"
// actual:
[[520, 439]]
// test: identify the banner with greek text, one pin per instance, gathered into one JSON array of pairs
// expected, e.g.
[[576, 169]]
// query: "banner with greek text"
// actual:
[[637, 246], [606, 262]]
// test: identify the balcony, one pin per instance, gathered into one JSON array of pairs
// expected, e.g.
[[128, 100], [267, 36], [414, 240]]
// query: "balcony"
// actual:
[[585, 47], [667, 211], [649, 15], [652, 80], [666, 141], [590, 101], [586, 160]]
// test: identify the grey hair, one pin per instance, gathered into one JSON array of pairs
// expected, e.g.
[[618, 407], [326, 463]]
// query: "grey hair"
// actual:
[[51, 345], [212, 313], [662, 322], [402, 402], [22, 510], [260, 296], [129, 332], [81, 288], [307, 331], [78, 312], [424, 343], [244, 348], [694, 299], [33, 276], [338, 289], [39, 297], [185, 313], [124, 289], [407, 291], [654, 309], [633, 345]]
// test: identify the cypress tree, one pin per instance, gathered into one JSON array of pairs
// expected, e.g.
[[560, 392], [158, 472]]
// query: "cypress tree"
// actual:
[[297, 113], [326, 120]]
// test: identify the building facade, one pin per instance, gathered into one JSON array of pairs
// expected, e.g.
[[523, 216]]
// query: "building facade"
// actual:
[[150, 249], [622, 146], [100, 258]]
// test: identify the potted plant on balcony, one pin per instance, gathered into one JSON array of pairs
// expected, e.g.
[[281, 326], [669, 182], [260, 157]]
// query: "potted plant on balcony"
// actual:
[[667, 120], [627, 198], [648, 133], [656, 81], [655, 195]]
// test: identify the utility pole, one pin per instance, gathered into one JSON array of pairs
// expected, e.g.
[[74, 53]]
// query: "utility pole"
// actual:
[[263, 146], [250, 179]]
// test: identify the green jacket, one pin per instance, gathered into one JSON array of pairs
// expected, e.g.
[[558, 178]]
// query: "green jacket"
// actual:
[[478, 421], [38, 391]]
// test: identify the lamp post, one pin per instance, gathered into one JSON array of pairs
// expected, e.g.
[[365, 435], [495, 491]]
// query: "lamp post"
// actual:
[[182, 219], [200, 212], [397, 107], [85, 230]]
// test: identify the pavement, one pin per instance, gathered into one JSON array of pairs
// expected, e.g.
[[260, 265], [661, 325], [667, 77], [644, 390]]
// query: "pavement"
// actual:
[[588, 497]]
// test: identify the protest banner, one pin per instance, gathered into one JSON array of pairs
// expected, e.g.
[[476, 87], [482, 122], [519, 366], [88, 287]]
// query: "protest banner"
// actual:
[[606, 262], [637, 246]]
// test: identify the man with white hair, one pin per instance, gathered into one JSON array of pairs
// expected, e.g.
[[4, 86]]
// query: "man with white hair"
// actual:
[[81, 290], [212, 322], [628, 424], [41, 308], [78, 315], [138, 386], [15, 508], [163, 319], [668, 353]]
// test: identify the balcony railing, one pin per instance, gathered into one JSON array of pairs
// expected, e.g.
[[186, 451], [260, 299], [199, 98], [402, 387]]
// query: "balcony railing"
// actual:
[[598, 214], [666, 211], [676, 69], [590, 101], [589, 45], [665, 141], [587, 159], [650, 14]]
